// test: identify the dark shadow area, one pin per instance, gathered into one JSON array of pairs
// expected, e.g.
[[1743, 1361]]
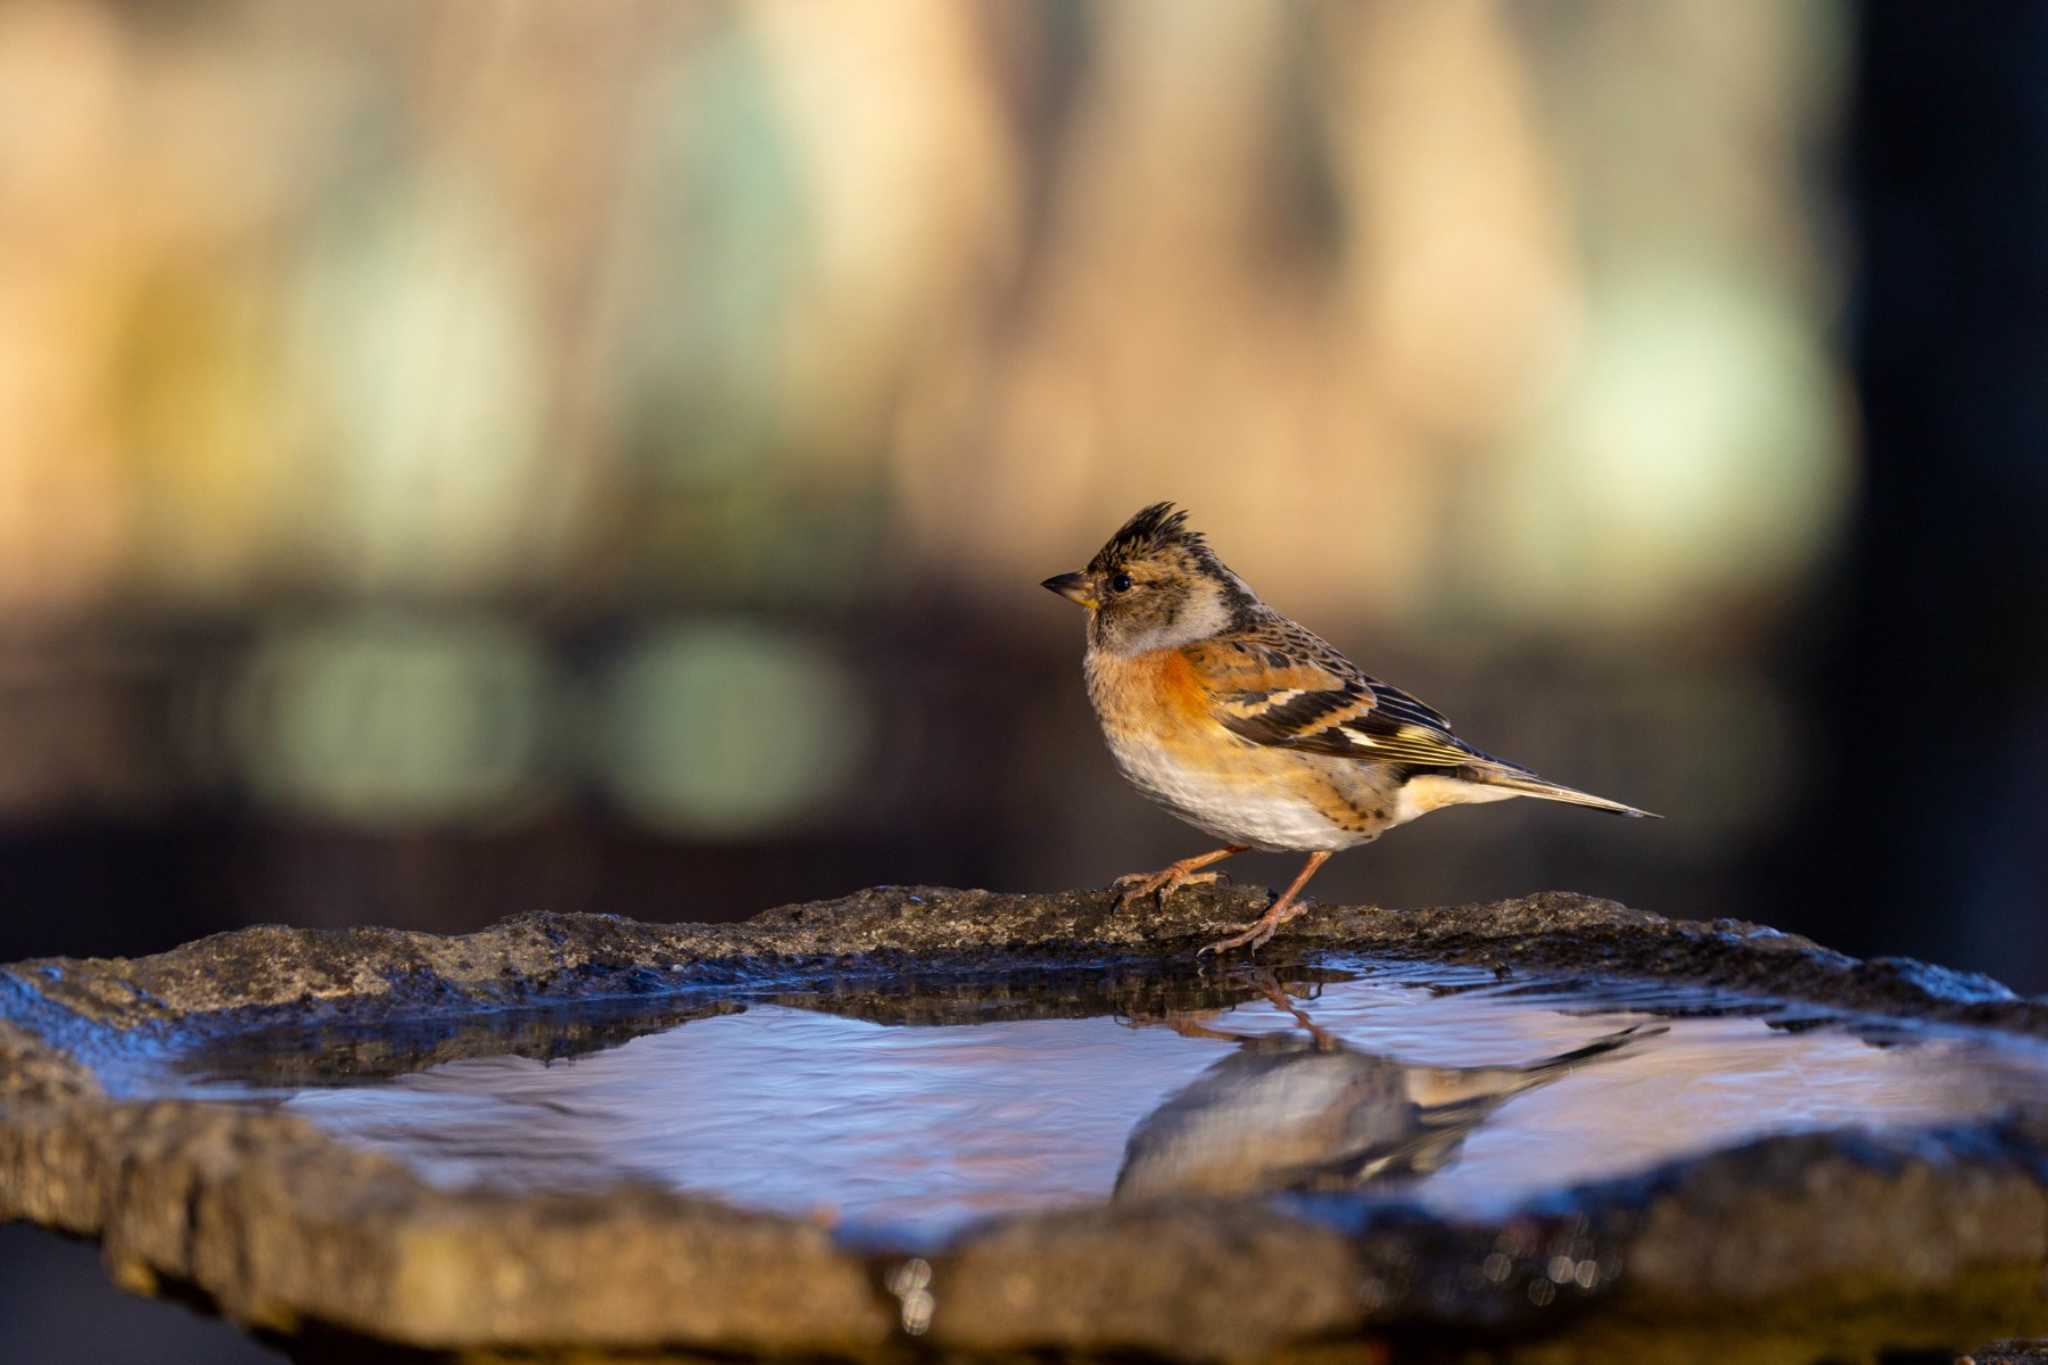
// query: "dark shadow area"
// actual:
[[1928, 829], [59, 1309]]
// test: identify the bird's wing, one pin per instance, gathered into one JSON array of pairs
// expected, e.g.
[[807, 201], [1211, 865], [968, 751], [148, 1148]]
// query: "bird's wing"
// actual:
[[1282, 686]]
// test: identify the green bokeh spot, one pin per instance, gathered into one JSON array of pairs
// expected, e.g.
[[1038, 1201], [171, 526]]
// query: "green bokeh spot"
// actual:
[[728, 729]]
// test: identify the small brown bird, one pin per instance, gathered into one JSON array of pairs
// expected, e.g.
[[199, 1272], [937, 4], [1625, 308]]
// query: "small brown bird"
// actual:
[[1307, 1111], [1254, 730]]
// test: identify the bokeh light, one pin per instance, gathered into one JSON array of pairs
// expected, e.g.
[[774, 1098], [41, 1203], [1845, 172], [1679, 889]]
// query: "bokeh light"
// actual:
[[389, 718], [626, 436], [729, 729]]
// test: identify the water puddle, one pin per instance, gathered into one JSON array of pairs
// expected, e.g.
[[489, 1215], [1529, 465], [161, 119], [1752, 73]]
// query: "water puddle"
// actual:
[[912, 1110]]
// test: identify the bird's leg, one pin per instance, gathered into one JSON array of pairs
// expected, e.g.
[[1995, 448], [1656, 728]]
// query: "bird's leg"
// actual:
[[1270, 987], [1173, 876], [1279, 913], [1192, 1025]]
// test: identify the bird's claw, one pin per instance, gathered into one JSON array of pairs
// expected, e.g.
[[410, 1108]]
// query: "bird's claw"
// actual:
[[1259, 932], [1255, 938], [1136, 886]]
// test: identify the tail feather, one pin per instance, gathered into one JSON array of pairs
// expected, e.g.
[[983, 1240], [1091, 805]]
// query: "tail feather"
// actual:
[[1528, 784], [1454, 1091]]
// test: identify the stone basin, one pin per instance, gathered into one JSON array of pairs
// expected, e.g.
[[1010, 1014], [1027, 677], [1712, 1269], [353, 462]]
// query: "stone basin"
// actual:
[[918, 1122]]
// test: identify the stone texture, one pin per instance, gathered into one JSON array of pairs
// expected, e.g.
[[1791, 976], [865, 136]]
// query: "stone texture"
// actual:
[[1787, 1248]]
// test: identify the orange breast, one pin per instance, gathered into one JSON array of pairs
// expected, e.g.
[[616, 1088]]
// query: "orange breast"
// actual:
[[1178, 689], [1156, 714], [1157, 694]]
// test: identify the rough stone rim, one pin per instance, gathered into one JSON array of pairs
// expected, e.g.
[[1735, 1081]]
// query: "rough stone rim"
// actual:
[[282, 1226]]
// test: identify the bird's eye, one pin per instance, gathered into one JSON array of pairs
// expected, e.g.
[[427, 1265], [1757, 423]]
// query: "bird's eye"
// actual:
[[1121, 583]]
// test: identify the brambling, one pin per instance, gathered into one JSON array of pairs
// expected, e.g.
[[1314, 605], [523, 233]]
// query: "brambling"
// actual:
[[1307, 1111], [1254, 730]]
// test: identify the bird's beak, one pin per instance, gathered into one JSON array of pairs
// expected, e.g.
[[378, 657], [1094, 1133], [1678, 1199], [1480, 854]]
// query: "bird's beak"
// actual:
[[1072, 586]]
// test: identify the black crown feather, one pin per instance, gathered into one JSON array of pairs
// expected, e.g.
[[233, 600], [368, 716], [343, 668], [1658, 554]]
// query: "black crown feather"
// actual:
[[1153, 528]]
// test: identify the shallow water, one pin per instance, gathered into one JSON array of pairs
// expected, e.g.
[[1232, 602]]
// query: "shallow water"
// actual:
[[1435, 1086]]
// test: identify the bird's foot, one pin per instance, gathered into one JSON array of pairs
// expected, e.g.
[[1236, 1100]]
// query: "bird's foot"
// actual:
[[1136, 886], [1256, 934]]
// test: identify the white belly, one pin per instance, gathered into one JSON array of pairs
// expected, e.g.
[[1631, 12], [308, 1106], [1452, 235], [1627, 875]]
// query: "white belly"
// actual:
[[1236, 812]]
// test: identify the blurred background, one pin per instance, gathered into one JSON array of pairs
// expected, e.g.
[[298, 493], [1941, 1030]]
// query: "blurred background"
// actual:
[[463, 459]]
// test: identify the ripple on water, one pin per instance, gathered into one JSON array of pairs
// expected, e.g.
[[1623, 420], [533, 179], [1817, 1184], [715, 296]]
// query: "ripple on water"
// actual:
[[1438, 1086]]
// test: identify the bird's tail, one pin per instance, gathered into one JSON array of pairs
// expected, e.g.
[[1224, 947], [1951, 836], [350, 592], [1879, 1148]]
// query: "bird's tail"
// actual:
[[1528, 784], [1462, 1097], [1604, 1044]]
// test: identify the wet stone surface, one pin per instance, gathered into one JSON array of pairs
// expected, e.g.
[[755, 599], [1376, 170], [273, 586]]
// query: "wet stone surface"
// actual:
[[1401, 1082], [921, 1121]]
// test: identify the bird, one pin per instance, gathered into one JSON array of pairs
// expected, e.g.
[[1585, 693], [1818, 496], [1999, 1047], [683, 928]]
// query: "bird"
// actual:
[[1252, 728], [1305, 1110]]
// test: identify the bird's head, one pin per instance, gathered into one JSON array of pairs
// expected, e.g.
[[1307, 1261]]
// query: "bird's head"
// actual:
[[1155, 585]]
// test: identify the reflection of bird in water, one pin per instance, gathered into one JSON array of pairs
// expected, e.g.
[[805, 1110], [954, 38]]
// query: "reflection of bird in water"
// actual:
[[1305, 1111]]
